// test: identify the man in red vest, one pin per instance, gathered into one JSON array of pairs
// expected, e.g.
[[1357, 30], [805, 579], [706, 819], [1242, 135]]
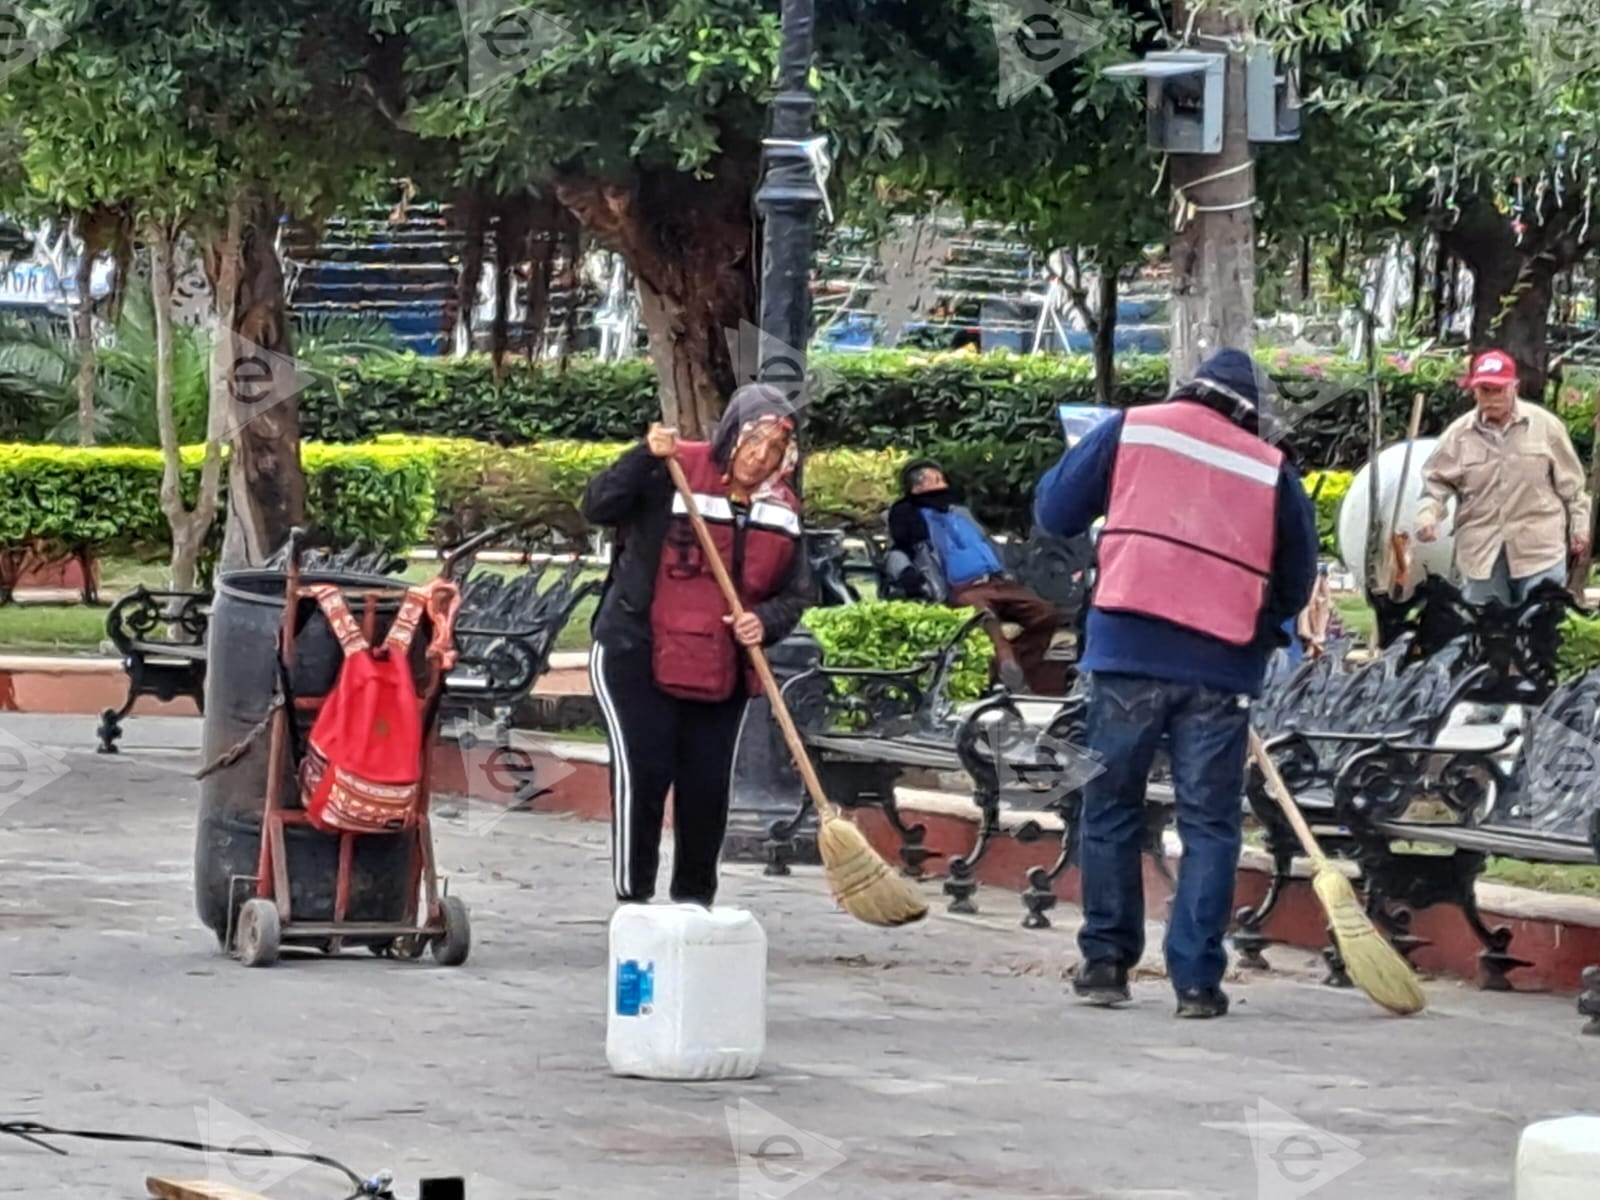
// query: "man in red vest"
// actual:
[[1209, 547]]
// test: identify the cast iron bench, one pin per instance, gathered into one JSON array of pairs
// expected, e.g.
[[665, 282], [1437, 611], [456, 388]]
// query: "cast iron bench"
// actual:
[[1360, 749], [505, 636], [1544, 808], [506, 632], [868, 729], [161, 637], [1321, 724]]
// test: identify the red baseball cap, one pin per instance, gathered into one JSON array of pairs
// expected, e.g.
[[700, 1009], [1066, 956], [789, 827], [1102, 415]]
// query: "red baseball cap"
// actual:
[[1494, 367]]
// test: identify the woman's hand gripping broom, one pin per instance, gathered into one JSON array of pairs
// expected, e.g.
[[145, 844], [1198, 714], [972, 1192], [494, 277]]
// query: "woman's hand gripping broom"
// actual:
[[862, 883]]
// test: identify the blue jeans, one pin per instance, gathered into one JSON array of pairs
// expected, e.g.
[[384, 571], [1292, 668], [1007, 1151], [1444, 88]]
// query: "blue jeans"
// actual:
[[1207, 734], [1506, 588]]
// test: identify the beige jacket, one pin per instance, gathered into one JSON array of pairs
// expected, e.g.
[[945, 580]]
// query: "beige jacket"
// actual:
[[1523, 491]]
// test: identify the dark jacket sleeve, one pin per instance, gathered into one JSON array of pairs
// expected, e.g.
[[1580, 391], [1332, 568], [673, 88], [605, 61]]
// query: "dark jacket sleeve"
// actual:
[[782, 612], [907, 528], [1074, 493], [1294, 558], [615, 493]]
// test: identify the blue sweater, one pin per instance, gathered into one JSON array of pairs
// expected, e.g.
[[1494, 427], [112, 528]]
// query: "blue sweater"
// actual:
[[1075, 493]]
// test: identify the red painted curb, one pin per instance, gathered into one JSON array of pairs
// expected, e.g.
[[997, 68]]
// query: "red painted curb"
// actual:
[[1558, 950]]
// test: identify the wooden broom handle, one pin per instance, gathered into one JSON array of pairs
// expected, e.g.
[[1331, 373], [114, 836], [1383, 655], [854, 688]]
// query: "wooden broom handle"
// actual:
[[758, 656], [1280, 793]]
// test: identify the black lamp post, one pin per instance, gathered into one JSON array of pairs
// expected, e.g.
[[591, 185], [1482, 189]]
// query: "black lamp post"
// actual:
[[788, 200]]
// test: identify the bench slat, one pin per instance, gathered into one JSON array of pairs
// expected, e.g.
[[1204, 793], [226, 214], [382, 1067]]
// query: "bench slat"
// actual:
[[1508, 843]]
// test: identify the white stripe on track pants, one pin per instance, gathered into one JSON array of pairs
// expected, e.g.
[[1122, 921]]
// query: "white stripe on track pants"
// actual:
[[661, 743]]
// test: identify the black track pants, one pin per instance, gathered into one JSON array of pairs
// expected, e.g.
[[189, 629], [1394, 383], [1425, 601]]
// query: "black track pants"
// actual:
[[659, 742]]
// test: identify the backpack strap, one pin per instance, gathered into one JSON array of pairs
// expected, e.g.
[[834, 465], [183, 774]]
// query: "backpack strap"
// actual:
[[345, 627], [440, 599]]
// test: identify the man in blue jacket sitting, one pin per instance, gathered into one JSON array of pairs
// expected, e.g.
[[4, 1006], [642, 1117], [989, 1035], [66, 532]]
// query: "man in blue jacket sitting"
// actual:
[[1209, 546], [941, 553]]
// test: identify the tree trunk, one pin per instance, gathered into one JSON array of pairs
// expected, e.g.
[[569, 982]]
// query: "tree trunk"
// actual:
[[189, 527], [1305, 271], [1443, 267], [1512, 285], [1419, 278], [1213, 255], [470, 215], [266, 488], [83, 335], [688, 242], [1105, 337]]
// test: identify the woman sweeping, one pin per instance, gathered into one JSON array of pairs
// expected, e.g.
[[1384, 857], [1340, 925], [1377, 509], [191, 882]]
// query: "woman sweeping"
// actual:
[[666, 666]]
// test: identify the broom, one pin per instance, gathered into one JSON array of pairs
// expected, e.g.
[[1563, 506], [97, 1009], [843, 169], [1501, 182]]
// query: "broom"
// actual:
[[1372, 963], [1399, 543], [860, 880]]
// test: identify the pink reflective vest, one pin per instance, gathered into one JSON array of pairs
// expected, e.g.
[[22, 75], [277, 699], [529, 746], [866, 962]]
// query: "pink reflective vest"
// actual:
[[1190, 525]]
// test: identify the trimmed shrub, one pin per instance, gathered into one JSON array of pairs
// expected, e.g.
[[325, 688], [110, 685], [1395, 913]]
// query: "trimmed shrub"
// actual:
[[382, 494], [60, 500], [895, 634], [1329, 488], [883, 399]]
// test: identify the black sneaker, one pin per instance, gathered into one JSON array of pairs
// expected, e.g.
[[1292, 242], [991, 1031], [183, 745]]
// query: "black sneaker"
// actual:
[[1101, 983], [1201, 1004]]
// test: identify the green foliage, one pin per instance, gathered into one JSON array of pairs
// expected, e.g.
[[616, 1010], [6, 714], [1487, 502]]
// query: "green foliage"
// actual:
[[1328, 489], [881, 400], [459, 398], [1580, 647], [898, 634], [380, 494], [61, 500], [125, 373]]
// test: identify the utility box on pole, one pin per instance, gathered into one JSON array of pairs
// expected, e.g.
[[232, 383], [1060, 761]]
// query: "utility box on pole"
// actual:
[[1272, 91], [1183, 99]]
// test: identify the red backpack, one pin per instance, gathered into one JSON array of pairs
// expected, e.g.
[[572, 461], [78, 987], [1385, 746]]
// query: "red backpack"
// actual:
[[362, 770]]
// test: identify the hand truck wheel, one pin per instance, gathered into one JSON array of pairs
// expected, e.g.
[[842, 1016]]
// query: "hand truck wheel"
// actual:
[[450, 948], [258, 933]]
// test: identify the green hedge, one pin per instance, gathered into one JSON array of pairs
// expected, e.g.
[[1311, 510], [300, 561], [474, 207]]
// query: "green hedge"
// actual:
[[64, 500], [892, 634], [1329, 488], [877, 400], [399, 492]]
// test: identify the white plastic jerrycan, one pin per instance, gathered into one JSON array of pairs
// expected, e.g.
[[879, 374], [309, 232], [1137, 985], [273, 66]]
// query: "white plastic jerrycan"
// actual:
[[1559, 1160], [688, 995]]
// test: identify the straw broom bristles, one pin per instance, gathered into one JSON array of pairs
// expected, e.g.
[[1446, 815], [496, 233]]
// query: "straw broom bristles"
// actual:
[[1373, 964], [861, 882]]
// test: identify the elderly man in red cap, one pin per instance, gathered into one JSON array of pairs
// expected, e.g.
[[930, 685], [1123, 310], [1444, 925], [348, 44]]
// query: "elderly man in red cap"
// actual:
[[1521, 502]]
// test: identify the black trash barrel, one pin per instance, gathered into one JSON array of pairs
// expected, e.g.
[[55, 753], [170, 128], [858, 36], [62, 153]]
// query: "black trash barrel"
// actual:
[[241, 679]]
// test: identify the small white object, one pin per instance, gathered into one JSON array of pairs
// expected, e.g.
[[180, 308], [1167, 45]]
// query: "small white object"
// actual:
[[1559, 1160], [688, 992], [1428, 558]]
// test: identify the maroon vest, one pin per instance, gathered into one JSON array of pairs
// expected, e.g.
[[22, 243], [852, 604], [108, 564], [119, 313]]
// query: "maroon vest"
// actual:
[[693, 654], [1190, 527]]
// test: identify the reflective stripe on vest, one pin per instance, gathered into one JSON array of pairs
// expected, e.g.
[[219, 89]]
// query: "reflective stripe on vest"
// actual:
[[1191, 522], [763, 513]]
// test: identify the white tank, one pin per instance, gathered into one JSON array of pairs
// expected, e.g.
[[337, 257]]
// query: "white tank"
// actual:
[[1427, 558], [1559, 1160], [688, 996]]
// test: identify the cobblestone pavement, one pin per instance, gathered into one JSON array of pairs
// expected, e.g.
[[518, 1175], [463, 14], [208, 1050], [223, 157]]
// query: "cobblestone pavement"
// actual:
[[932, 1062]]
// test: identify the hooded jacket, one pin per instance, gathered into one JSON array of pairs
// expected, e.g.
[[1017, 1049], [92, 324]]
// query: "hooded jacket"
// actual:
[[937, 532], [635, 497], [1078, 490]]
